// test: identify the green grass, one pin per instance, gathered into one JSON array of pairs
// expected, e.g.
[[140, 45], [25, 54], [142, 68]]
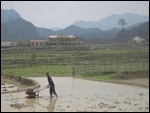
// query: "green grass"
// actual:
[[47, 53], [100, 75], [115, 75], [40, 70], [107, 58]]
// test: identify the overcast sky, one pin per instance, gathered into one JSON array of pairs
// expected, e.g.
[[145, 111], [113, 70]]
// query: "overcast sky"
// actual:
[[64, 13]]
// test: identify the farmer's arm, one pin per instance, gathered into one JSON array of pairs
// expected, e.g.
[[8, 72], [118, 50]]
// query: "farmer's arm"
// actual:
[[48, 86]]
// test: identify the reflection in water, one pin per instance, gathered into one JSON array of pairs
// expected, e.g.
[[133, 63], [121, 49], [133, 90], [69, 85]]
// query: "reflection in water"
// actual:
[[51, 106], [31, 102], [73, 83]]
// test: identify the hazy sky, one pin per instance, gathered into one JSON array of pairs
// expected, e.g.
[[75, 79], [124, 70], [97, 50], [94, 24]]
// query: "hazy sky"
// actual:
[[64, 13]]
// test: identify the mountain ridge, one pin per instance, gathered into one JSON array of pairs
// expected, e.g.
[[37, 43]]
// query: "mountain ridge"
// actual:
[[9, 14], [112, 21], [18, 28]]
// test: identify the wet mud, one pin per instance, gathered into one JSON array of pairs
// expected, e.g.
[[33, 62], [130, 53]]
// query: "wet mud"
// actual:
[[79, 95]]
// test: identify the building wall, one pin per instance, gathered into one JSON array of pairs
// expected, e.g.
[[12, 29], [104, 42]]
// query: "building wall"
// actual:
[[62, 41], [37, 44], [56, 40]]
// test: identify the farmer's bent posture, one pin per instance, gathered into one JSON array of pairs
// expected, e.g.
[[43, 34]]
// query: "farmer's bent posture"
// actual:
[[51, 85]]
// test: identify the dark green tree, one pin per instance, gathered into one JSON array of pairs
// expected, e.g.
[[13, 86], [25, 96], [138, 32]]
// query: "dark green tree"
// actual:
[[122, 23], [33, 58]]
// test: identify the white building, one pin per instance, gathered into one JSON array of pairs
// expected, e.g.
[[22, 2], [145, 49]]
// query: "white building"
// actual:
[[137, 39], [7, 44]]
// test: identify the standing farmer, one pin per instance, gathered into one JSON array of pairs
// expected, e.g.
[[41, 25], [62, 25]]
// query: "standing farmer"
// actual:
[[51, 85]]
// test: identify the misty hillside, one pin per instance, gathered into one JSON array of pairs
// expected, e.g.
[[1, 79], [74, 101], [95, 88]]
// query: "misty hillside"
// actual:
[[75, 30], [7, 15], [18, 29], [112, 21], [142, 31], [70, 30], [45, 32], [84, 33], [13, 27]]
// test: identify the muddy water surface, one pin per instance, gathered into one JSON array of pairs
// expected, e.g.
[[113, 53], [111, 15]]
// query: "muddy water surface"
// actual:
[[76, 94], [7, 87]]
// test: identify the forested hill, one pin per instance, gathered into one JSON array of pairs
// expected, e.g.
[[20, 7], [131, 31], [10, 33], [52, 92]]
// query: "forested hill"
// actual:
[[18, 29], [7, 15], [14, 27], [142, 31]]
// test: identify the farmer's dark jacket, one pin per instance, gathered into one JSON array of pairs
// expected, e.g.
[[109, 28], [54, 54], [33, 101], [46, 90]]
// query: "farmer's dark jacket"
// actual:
[[50, 81]]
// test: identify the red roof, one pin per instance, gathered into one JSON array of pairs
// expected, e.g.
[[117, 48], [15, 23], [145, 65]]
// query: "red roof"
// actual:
[[53, 36], [38, 41], [64, 36]]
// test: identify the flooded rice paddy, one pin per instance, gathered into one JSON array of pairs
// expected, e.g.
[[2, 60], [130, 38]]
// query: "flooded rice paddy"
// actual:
[[75, 94]]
